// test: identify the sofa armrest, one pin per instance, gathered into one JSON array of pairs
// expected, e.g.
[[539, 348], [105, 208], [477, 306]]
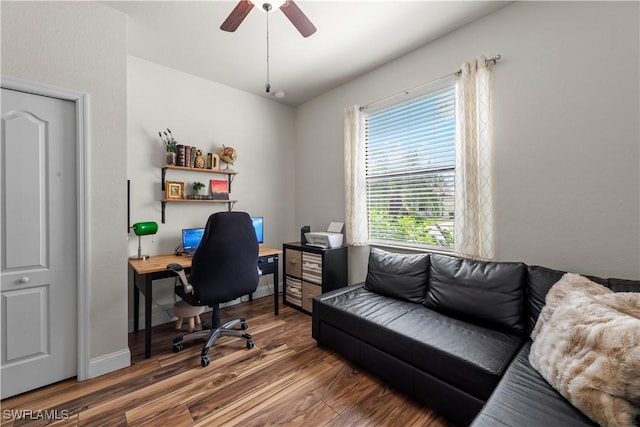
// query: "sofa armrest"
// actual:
[[339, 291], [317, 301]]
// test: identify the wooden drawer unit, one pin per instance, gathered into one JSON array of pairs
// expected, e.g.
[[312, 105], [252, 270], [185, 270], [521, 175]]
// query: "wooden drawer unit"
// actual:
[[312, 268], [309, 290], [293, 291], [293, 262], [311, 271]]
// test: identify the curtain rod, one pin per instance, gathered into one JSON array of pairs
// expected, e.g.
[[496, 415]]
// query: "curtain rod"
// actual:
[[493, 60]]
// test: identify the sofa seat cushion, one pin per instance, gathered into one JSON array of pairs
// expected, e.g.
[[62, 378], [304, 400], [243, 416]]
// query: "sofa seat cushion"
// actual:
[[472, 358], [524, 399]]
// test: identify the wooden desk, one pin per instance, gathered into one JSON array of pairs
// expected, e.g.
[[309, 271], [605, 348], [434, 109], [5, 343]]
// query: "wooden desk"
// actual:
[[145, 271]]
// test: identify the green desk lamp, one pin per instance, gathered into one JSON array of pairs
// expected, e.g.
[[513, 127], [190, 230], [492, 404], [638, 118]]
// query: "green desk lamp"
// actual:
[[143, 229]]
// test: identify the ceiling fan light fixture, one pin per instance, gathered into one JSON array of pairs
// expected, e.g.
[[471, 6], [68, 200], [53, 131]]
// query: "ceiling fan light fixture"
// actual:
[[270, 6], [288, 7]]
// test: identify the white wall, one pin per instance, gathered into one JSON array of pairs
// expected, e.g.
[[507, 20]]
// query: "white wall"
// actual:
[[566, 133], [207, 115], [82, 46], [566, 113]]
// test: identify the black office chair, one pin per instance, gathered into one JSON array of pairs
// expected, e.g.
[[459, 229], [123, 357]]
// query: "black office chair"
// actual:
[[224, 267]]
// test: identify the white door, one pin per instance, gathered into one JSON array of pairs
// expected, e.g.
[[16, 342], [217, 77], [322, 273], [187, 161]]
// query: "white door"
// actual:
[[39, 244]]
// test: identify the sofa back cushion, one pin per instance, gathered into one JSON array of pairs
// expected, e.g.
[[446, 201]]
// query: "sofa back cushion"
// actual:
[[487, 292], [622, 285], [539, 281], [400, 276]]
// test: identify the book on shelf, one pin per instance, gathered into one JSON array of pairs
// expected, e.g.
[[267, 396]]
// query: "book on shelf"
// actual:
[[192, 159], [187, 156], [180, 158]]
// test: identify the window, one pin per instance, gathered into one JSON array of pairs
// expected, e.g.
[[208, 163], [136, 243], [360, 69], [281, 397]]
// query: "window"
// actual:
[[410, 162]]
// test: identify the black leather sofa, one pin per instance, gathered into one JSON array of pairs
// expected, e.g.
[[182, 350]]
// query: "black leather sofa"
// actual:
[[451, 333]]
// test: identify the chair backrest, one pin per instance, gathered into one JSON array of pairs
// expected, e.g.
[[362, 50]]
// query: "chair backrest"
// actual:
[[225, 265]]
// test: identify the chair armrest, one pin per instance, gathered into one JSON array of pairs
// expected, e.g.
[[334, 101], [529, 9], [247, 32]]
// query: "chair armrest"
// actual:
[[177, 268]]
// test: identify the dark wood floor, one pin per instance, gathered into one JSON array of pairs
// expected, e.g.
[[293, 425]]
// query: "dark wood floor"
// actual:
[[286, 379]]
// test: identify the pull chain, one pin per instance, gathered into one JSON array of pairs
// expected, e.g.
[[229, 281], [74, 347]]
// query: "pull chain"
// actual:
[[267, 8]]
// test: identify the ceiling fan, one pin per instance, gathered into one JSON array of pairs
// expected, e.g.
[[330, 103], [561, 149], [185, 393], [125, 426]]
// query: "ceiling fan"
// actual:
[[289, 8]]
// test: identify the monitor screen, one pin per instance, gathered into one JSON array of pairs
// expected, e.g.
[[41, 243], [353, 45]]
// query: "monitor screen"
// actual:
[[258, 225], [191, 238]]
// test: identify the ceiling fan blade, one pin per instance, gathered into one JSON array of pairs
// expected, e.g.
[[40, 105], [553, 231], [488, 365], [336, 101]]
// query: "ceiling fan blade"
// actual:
[[298, 18], [236, 16]]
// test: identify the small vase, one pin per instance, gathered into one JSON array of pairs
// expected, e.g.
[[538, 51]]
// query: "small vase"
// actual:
[[171, 158], [199, 161]]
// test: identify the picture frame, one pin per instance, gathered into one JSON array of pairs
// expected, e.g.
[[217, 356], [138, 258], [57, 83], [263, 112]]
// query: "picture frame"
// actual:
[[174, 190], [219, 185]]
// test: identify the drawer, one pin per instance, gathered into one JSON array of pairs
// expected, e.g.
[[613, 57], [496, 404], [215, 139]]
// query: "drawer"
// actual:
[[294, 291], [312, 268], [267, 264], [293, 262], [309, 290]]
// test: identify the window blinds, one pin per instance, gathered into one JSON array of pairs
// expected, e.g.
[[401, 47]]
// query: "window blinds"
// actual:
[[410, 158]]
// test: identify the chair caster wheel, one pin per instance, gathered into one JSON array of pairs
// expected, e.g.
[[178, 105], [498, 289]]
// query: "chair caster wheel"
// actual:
[[244, 326], [177, 348], [204, 362], [250, 344]]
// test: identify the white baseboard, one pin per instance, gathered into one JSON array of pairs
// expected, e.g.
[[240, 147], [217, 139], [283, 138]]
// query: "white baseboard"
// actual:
[[109, 363], [162, 317], [261, 292], [157, 318], [122, 359]]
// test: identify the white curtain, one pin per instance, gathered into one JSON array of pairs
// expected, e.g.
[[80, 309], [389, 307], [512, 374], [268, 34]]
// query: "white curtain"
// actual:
[[357, 233], [473, 174]]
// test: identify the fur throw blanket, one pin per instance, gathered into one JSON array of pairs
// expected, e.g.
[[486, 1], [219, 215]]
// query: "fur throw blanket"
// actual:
[[587, 346]]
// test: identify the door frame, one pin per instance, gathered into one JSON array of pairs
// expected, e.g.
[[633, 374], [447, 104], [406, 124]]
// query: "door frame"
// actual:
[[81, 101]]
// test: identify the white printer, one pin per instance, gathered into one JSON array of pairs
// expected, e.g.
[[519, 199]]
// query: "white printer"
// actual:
[[332, 238]]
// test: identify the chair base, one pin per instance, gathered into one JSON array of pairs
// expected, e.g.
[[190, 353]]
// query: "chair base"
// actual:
[[212, 335]]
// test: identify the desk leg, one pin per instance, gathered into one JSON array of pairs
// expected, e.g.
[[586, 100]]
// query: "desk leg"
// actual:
[[136, 302], [275, 287], [147, 316]]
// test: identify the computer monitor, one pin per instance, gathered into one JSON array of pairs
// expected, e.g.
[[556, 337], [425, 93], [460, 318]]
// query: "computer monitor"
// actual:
[[191, 238], [258, 225]]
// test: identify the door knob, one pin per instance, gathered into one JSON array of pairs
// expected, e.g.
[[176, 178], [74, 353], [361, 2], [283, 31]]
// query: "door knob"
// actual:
[[24, 279]]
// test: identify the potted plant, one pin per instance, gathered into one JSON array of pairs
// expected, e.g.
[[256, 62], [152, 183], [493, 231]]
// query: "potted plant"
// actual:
[[170, 145], [198, 188]]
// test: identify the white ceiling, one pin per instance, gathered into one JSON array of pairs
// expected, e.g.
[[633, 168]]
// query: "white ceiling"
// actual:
[[353, 37]]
